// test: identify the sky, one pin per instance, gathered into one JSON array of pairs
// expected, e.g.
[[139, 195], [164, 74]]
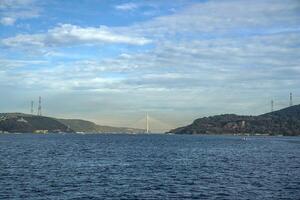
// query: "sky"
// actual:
[[111, 61]]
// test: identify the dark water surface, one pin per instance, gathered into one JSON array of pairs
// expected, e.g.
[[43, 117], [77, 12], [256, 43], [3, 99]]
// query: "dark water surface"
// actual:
[[148, 167]]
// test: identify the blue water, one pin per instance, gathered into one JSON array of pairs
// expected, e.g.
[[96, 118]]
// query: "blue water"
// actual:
[[148, 167]]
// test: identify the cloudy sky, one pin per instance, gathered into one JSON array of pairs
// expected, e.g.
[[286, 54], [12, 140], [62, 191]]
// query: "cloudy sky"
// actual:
[[112, 61]]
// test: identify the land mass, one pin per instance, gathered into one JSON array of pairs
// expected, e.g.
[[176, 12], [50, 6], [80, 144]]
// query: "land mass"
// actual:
[[282, 122], [80, 125], [26, 123]]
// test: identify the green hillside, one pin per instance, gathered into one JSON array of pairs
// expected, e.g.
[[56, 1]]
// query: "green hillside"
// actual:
[[25, 123], [79, 125], [282, 122]]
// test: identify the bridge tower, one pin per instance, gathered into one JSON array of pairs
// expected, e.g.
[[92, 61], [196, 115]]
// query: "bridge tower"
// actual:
[[147, 123]]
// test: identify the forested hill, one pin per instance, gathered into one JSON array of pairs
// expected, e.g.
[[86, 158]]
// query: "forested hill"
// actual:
[[79, 125], [282, 122], [25, 123]]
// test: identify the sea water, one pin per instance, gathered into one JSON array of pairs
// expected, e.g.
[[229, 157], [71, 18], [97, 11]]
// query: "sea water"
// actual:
[[107, 166]]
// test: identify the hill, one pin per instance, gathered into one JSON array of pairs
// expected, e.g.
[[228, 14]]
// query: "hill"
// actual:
[[79, 125], [25, 123], [282, 122]]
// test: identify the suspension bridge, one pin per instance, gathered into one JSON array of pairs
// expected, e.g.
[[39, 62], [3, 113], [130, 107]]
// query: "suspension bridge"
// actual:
[[151, 124]]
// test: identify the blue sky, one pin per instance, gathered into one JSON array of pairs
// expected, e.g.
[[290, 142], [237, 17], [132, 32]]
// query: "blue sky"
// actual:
[[112, 61]]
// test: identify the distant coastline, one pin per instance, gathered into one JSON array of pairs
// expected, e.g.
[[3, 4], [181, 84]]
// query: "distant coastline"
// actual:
[[284, 122], [26, 123]]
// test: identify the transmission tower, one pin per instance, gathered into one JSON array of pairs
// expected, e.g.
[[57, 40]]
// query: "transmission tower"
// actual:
[[291, 99], [31, 110], [40, 107], [272, 105]]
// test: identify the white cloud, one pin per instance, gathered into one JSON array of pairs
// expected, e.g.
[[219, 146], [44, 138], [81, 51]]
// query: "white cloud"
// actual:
[[9, 64], [13, 10], [4, 4], [221, 18], [25, 41], [126, 7], [252, 63], [8, 21], [67, 34]]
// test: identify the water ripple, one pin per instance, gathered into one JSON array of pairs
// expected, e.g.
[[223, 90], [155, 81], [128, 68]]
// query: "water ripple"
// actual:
[[148, 167]]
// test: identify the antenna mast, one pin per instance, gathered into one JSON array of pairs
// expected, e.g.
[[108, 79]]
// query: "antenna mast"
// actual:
[[40, 107], [291, 99]]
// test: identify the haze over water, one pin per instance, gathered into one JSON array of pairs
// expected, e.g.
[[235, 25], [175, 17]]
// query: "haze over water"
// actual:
[[148, 167]]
